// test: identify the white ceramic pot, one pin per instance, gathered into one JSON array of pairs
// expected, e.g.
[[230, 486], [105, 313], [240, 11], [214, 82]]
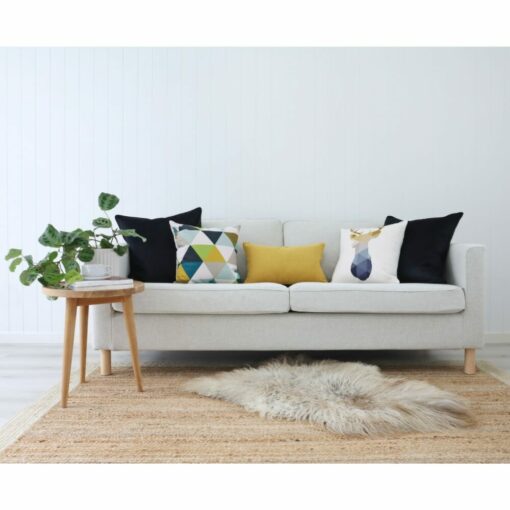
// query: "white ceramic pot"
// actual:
[[106, 256]]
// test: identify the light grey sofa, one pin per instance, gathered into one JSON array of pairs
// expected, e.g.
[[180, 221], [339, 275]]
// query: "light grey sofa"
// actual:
[[305, 316]]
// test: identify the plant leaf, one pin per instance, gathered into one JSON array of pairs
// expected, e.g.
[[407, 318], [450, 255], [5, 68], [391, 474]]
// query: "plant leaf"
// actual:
[[52, 274], [63, 236], [120, 249], [42, 264], [73, 276], [69, 262], [102, 223], [79, 242], [51, 237], [30, 260], [131, 232], [28, 276], [70, 237], [69, 251], [86, 254], [104, 243], [107, 201], [14, 264], [13, 253]]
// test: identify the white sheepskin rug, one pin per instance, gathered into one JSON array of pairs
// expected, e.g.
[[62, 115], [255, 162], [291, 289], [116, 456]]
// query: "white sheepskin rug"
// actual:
[[347, 398]]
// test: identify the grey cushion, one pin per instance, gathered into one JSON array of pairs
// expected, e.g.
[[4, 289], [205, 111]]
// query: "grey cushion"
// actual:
[[419, 298], [211, 298]]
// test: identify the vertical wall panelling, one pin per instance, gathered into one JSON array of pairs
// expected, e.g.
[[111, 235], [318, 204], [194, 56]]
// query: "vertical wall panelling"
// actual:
[[101, 88], [188, 121], [40, 212], [288, 133], [28, 194], [202, 146], [171, 92], [4, 190], [114, 101], [15, 179], [126, 187]]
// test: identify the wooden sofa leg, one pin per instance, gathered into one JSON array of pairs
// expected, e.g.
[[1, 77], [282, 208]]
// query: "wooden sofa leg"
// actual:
[[470, 361], [106, 362]]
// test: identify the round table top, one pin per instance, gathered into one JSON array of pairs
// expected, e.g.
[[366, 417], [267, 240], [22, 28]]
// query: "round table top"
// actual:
[[83, 293]]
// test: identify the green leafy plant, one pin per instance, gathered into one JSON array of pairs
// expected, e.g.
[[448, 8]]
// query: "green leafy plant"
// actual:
[[106, 203], [60, 267]]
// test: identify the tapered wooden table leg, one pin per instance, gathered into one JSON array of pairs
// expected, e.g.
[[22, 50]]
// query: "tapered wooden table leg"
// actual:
[[133, 344], [70, 323], [84, 322], [85, 298]]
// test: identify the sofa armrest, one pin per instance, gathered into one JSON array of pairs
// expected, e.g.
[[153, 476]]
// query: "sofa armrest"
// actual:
[[465, 267]]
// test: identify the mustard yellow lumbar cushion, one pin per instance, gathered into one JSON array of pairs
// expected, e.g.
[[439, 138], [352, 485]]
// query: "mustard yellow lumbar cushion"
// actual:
[[284, 264]]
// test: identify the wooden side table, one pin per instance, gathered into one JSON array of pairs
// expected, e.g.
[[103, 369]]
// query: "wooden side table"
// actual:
[[83, 299]]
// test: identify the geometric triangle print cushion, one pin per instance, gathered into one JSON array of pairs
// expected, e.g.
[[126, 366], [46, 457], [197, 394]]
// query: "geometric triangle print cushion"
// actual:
[[205, 255]]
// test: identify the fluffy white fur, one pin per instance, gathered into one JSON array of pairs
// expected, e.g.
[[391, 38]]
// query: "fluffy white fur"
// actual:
[[347, 398]]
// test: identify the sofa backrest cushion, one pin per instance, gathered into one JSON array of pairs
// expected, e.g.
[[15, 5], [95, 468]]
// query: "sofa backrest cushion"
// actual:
[[328, 232], [268, 232]]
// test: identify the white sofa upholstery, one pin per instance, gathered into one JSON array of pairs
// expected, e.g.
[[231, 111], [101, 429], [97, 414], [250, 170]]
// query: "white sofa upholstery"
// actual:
[[204, 298], [305, 316], [376, 298]]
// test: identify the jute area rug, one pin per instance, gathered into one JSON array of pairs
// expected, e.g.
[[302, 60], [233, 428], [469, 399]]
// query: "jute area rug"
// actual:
[[107, 421]]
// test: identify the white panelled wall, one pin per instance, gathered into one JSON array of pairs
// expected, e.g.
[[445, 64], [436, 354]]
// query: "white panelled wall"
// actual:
[[286, 133]]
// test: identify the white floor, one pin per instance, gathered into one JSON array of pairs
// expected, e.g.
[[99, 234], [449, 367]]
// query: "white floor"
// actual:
[[27, 371]]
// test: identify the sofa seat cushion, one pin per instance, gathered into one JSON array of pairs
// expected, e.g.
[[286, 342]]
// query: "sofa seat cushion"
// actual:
[[419, 298], [211, 298]]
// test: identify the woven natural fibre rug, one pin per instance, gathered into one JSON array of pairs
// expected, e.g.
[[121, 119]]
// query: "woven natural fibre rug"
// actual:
[[108, 421]]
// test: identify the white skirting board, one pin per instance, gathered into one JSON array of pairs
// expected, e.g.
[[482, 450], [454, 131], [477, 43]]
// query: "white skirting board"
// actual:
[[31, 338], [56, 337], [497, 338]]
